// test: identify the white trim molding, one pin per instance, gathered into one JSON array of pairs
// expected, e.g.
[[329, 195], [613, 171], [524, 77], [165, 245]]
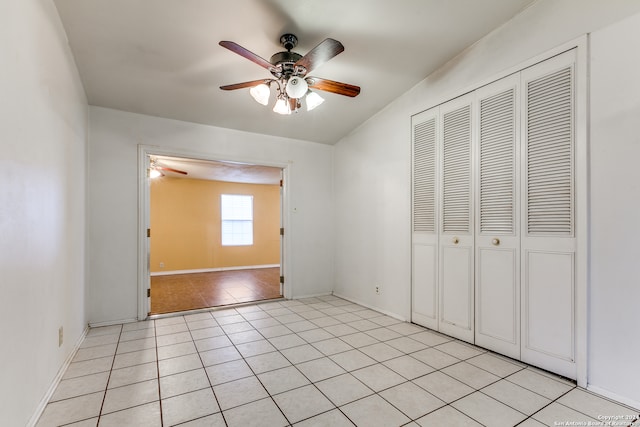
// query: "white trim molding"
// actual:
[[371, 307], [633, 404], [56, 381], [213, 270]]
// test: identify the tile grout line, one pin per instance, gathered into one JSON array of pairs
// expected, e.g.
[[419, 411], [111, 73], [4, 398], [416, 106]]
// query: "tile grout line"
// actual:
[[533, 391], [106, 387], [552, 402], [204, 368], [155, 339]]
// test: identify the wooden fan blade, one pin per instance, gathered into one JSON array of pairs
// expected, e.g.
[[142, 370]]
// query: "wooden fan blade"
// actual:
[[164, 168], [293, 104], [236, 48], [334, 87], [245, 84], [320, 54]]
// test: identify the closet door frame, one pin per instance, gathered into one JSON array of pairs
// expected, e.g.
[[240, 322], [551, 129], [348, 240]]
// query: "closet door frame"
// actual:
[[582, 207], [580, 44]]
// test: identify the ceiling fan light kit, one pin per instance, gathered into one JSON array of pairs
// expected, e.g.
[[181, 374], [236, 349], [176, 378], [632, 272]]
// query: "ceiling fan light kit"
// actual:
[[282, 106], [289, 70], [313, 100], [296, 87], [261, 93]]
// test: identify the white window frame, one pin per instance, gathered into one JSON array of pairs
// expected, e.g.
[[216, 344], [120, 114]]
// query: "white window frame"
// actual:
[[236, 219]]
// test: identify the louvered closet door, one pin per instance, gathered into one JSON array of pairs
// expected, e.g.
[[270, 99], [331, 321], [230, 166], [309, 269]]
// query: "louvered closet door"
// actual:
[[425, 229], [548, 217], [497, 298], [456, 227]]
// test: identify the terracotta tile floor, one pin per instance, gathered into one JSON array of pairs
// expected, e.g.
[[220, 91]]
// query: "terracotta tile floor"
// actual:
[[182, 292]]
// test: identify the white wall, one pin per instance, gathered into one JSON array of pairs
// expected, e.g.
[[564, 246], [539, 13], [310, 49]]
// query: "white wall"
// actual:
[[614, 345], [371, 190], [113, 201], [43, 127], [372, 174]]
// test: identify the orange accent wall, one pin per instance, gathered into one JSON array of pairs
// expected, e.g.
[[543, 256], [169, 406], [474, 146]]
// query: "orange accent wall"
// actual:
[[185, 225]]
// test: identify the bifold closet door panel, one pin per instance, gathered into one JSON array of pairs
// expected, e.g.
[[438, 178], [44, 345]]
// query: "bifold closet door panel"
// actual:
[[424, 305], [425, 284], [456, 287], [548, 215], [497, 242]]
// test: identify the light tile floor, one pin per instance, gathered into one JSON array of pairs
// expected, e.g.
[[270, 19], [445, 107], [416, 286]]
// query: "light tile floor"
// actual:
[[313, 362]]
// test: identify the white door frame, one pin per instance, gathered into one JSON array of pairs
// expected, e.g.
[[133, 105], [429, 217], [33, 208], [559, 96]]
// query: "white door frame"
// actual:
[[144, 151]]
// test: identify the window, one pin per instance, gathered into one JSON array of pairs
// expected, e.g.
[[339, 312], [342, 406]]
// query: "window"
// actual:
[[237, 219]]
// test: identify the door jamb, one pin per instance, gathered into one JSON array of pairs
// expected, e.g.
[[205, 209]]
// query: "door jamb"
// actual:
[[144, 151]]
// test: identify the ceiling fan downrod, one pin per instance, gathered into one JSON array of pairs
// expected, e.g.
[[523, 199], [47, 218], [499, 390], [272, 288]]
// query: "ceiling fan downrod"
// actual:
[[288, 41]]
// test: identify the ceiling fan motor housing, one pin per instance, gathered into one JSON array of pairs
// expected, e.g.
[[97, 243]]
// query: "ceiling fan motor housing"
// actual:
[[285, 61]]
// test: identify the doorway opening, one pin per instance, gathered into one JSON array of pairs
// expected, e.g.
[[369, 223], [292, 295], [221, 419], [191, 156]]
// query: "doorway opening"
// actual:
[[215, 233]]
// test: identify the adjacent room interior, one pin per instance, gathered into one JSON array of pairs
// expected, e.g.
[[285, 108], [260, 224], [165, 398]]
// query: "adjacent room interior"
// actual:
[[215, 233]]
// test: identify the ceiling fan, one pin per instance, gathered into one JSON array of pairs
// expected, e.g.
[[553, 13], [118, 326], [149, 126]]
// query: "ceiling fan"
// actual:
[[156, 169], [289, 70]]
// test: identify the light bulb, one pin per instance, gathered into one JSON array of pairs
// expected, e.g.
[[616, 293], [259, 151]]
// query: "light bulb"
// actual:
[[282, 106], [296, 87], [313, 100], [154, 173], [261, 93]]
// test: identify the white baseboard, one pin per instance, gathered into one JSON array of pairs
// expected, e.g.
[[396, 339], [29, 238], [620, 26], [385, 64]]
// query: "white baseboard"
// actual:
[[324, 294], [111, 323], [633, 404], [387, 313], [212, 270], [52, 388]]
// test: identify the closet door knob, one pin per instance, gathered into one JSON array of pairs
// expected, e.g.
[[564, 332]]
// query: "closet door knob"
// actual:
[[495, 241], [456, 240]]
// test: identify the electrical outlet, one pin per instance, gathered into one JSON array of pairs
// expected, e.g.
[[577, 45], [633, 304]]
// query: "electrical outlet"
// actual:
[[378, 290], [162, 265], [60, 336]]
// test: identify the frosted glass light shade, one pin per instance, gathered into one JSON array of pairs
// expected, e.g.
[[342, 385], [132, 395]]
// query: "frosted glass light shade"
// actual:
[[296, 87], [282, 106], [261, 93], [154, 173], [313, 100]]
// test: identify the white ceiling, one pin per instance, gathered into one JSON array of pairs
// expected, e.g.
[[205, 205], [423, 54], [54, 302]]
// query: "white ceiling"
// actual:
[[218, 171], [162, 58]]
